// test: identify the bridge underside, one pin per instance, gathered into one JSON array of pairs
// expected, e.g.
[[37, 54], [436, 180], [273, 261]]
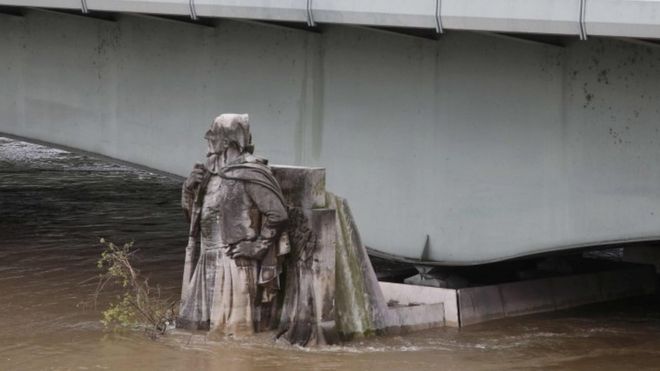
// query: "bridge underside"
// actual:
[[492, 146]]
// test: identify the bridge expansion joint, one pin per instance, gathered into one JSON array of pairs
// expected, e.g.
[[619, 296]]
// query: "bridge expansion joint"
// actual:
[[192, 9], [582, 19]]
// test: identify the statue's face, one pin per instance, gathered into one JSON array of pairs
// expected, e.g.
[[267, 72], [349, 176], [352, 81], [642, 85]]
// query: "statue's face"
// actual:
[[228, 131], [216, 142]]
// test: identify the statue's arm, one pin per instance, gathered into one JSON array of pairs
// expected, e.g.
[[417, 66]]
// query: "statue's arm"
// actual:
[[188, 189], [273, 220], [274, 215]]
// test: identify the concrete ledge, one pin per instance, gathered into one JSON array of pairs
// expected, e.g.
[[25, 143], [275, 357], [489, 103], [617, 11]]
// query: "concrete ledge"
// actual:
[[629, 18], [55, 4], [272, 10], [527, 297], [418, 307], [417, 317], [480, 304], [543, 16], [412, 13], [631, 282], [407, 295], [168, 7], [572, 291]]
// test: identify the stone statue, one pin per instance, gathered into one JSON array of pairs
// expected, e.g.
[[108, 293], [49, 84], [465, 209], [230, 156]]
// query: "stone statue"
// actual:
[[251, 225], [237, 214]]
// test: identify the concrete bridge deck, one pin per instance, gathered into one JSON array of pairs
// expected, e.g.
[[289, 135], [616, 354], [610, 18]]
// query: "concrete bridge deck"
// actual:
[[622, 18], [493, 147]]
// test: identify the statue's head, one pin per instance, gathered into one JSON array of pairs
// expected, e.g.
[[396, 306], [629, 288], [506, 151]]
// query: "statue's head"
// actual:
[[229, 130]]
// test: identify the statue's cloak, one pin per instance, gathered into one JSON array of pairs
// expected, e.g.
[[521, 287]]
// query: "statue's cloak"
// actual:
[[249, 181]]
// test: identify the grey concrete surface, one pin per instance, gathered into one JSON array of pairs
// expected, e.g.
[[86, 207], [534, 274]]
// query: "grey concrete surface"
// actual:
[[424, 299], [485, 303], [619, 18], [646, 253], [493, 147], [417, 317]]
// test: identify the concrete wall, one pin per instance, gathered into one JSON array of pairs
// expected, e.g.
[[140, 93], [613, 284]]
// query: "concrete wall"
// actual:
[[648, 253], [494, 147], [409, 295], [485, 303]]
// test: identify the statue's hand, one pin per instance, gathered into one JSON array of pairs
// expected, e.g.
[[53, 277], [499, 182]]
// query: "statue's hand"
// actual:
[[249, 249], [195, 176]]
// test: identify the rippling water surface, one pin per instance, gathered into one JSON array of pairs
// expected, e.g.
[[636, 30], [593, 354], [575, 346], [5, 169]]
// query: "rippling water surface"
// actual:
[[54, 206]]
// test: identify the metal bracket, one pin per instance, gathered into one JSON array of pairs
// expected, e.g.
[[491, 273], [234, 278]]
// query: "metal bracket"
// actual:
[[438, 20], [83, 6], [424, 270], [583, 16], [193, 11], [310, 14]]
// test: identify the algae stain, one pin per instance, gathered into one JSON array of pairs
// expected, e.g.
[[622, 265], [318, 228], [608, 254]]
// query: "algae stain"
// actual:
[[353, 316], [309, 128], [318, 101]]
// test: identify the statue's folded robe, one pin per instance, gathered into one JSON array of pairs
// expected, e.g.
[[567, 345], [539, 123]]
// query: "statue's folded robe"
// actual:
[[252, 199]]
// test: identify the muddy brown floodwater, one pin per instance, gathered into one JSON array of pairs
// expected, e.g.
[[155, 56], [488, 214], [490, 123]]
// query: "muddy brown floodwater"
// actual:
[[54, 206]]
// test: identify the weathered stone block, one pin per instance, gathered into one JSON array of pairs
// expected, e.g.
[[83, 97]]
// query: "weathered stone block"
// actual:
[[324, 226], [360, 308], [302, 187]]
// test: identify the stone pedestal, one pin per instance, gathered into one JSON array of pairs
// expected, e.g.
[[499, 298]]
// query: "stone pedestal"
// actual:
[[331, 289], [309, 288]]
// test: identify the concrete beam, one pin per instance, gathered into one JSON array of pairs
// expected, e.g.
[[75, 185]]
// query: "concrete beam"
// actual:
[[54, 4], [627, 18], [474, 305], [101, 16], [533, 39], [618, 18], [202, 22], [560, 17], [165, 7]]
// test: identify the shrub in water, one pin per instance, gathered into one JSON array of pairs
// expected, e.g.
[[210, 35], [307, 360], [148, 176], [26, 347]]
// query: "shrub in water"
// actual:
[[138, 306]]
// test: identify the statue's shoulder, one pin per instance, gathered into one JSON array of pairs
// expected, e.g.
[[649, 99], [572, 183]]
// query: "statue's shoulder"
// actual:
[[254, 159], [252, 162], [248, 167]]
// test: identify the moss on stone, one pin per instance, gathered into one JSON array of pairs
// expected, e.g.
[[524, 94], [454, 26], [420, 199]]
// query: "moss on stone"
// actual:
[[353, 311]]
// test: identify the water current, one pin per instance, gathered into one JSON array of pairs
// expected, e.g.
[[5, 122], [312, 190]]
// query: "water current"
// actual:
[[55, 205]]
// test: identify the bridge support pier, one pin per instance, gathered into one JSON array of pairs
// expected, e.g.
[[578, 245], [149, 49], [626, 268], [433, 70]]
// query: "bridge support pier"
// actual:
[[472, 305]]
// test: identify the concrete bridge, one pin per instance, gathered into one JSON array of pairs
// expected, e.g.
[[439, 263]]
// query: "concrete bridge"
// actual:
[[499, 128]]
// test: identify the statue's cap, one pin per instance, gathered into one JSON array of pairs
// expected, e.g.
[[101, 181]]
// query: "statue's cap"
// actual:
[[234, 128]]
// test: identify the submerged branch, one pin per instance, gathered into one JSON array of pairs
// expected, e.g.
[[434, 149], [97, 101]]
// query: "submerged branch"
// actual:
[[139, 306]]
